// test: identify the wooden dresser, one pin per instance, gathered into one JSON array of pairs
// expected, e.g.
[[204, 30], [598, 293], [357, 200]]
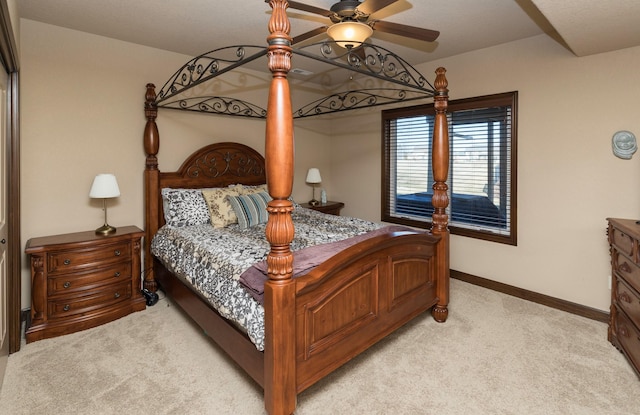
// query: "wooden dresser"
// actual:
[[624, 323], [81, 280]]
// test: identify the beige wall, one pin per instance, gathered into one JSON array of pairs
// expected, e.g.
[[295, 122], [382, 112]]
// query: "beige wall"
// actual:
[[82, 114], [569, 181], [82, 98]]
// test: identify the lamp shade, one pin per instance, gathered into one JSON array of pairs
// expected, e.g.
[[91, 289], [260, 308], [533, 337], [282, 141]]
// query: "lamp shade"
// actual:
[[349, 34], [313, 176], [104, 186]]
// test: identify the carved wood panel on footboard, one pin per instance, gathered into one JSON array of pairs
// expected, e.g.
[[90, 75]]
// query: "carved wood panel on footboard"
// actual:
[[352, 301]]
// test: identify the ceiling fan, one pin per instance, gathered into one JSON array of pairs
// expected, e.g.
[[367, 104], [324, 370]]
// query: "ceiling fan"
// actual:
[[352, 24]]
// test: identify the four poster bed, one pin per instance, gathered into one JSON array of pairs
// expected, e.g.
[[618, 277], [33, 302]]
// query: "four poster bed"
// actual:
[[327, 315]]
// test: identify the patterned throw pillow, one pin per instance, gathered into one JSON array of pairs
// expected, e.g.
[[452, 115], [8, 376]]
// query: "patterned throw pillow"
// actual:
[[243, 189], [250, 209], [184, 207], [221, 213]]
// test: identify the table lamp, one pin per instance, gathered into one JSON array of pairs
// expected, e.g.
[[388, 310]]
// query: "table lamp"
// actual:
[[313, 178], [104, 187]]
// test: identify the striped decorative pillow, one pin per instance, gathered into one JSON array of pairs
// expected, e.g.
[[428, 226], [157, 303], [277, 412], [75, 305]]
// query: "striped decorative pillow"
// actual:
[[250, 209]]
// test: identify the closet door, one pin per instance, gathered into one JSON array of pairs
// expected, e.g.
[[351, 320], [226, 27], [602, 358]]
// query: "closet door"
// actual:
[[10, 246], [4, 234]]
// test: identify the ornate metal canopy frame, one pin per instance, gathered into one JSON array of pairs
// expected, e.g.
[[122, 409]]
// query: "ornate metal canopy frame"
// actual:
[[397, 80]]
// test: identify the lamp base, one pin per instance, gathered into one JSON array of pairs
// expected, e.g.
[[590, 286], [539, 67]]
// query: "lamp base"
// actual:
[[105, 230], [314, 202]]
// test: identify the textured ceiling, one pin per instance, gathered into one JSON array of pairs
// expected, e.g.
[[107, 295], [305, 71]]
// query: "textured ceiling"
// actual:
[[193, 27], [594, 26]]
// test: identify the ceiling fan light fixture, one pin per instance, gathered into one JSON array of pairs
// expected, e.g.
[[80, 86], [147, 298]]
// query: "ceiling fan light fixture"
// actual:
[[350, 33]]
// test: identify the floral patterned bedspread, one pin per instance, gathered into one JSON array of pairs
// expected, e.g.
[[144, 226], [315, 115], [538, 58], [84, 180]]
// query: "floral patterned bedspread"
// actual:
[[212, 259]]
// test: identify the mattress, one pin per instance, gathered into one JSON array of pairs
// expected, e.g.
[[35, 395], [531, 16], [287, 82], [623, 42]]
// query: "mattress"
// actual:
[[212, 259]]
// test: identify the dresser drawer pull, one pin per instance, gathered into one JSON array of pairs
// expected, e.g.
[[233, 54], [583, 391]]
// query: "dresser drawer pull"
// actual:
[[624, 267], [623, 331], [66, 307], [117, 252], [117, 295], [67, 261], [624, 297], [67, 284], [117, 274]]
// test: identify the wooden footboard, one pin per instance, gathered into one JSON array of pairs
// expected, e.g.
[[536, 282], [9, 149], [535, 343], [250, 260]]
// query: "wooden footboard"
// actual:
[[317, 322], [358, 297], [341, 308]]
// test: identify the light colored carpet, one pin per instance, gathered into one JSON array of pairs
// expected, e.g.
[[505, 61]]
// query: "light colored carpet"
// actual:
[[495, 355]]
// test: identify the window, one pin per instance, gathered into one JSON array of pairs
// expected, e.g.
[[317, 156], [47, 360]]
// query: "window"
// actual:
[[482, 166]]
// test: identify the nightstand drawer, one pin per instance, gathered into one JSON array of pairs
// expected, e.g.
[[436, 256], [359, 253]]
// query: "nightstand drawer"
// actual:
[[89, 279], [623, 242], [91, 301], [627, 300], [628, 337], [66, 261], [629, 271]]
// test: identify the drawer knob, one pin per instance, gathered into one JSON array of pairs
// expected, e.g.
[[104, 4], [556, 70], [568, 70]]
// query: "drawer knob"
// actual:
[[117, 252], [67, 261], [117, 295], [66, 307], [67, 284], [624, 267], [624, 297], [117, 274], [623, 331]]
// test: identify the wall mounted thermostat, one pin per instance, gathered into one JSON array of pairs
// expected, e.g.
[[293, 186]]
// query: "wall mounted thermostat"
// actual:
[[624, 144]]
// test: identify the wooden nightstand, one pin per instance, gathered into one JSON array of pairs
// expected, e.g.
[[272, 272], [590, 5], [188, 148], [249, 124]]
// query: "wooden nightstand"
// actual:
[[82, 280], [332, 208]]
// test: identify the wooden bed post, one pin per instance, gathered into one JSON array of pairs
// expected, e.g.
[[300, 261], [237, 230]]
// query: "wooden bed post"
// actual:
[[151, 181], [440, 198], [279, 292]]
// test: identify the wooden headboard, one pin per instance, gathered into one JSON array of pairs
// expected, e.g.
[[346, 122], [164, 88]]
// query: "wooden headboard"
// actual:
[[216, 165]]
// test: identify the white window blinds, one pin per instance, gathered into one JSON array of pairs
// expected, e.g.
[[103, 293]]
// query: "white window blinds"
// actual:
[[481, 168]]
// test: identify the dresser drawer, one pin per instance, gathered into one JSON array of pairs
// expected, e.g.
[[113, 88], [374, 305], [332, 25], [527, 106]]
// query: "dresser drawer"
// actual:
[[90, 257], [90, 301], [629, 271], [628, 337], [87, 280], [629, 301], [624, 243]]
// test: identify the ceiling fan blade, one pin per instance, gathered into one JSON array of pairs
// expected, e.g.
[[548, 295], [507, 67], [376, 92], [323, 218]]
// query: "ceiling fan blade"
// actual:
[[372, 6], [404, 30], [311, 9], [309, 34]]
